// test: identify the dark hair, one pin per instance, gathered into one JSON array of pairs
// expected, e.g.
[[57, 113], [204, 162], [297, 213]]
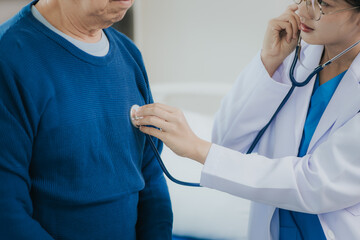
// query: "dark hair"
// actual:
[[355, 3]]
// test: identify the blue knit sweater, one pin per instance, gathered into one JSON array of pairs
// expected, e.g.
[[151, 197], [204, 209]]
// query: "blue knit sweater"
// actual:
[[71, 164]]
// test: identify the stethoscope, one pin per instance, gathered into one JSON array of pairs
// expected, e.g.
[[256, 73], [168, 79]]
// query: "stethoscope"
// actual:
[[294, 84], [156, 152]]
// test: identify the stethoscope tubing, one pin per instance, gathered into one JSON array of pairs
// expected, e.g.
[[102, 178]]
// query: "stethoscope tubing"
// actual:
[[162, 165], [294, 84]]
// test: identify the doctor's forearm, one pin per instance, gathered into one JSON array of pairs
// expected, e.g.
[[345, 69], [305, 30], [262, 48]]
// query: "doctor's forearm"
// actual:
[[201, 150]]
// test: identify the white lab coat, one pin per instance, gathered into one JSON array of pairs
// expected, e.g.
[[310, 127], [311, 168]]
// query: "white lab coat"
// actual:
[[325, 182]]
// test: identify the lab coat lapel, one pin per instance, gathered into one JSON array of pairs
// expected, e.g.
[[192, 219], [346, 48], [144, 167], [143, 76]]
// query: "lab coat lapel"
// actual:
[[310, 56], [344, 104]]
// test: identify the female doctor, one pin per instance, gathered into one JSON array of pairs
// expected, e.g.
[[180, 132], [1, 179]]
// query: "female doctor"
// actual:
[[304, 174]]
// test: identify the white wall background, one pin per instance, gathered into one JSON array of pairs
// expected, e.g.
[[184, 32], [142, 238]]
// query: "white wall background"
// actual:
[[201, 40], [189, 43], [194, 40], [10, 7]]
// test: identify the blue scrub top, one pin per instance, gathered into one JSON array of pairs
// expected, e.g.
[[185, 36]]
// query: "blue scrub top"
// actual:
[[296, 225]]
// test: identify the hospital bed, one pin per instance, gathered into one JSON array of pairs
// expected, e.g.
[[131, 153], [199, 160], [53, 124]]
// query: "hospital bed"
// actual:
[[199, 213]]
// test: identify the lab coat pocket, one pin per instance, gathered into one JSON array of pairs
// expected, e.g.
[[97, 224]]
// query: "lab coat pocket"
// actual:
[[354, 210]]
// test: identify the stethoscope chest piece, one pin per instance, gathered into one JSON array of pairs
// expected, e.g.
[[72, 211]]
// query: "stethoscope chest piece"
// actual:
[[133, 117]]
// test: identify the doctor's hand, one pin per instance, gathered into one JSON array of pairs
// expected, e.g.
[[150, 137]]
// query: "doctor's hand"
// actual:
[[174, 131], [280, 39]]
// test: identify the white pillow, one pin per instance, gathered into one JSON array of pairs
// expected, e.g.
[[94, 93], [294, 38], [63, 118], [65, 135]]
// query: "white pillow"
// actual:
[[203, 212]]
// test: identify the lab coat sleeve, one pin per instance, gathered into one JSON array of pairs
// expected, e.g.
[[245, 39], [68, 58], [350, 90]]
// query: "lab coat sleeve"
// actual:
[[325, 181], [243, 112], [17, 128]]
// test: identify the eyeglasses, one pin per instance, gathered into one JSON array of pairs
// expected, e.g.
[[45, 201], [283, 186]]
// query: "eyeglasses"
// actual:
[[315, 8]]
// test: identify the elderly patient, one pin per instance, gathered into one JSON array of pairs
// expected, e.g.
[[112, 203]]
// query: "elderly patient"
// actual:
[[71, 164]]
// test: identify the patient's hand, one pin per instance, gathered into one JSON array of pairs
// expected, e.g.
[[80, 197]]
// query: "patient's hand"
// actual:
[[174, 131]]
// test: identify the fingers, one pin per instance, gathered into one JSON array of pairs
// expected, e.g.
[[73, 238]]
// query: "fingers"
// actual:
[[279, 39], [153, 121], [290, 17], [294, 25], [293, 7], [153, 132], [159, 106], [283, 29], [288, 22], [294, 19], [159, 110], [157, 115]]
